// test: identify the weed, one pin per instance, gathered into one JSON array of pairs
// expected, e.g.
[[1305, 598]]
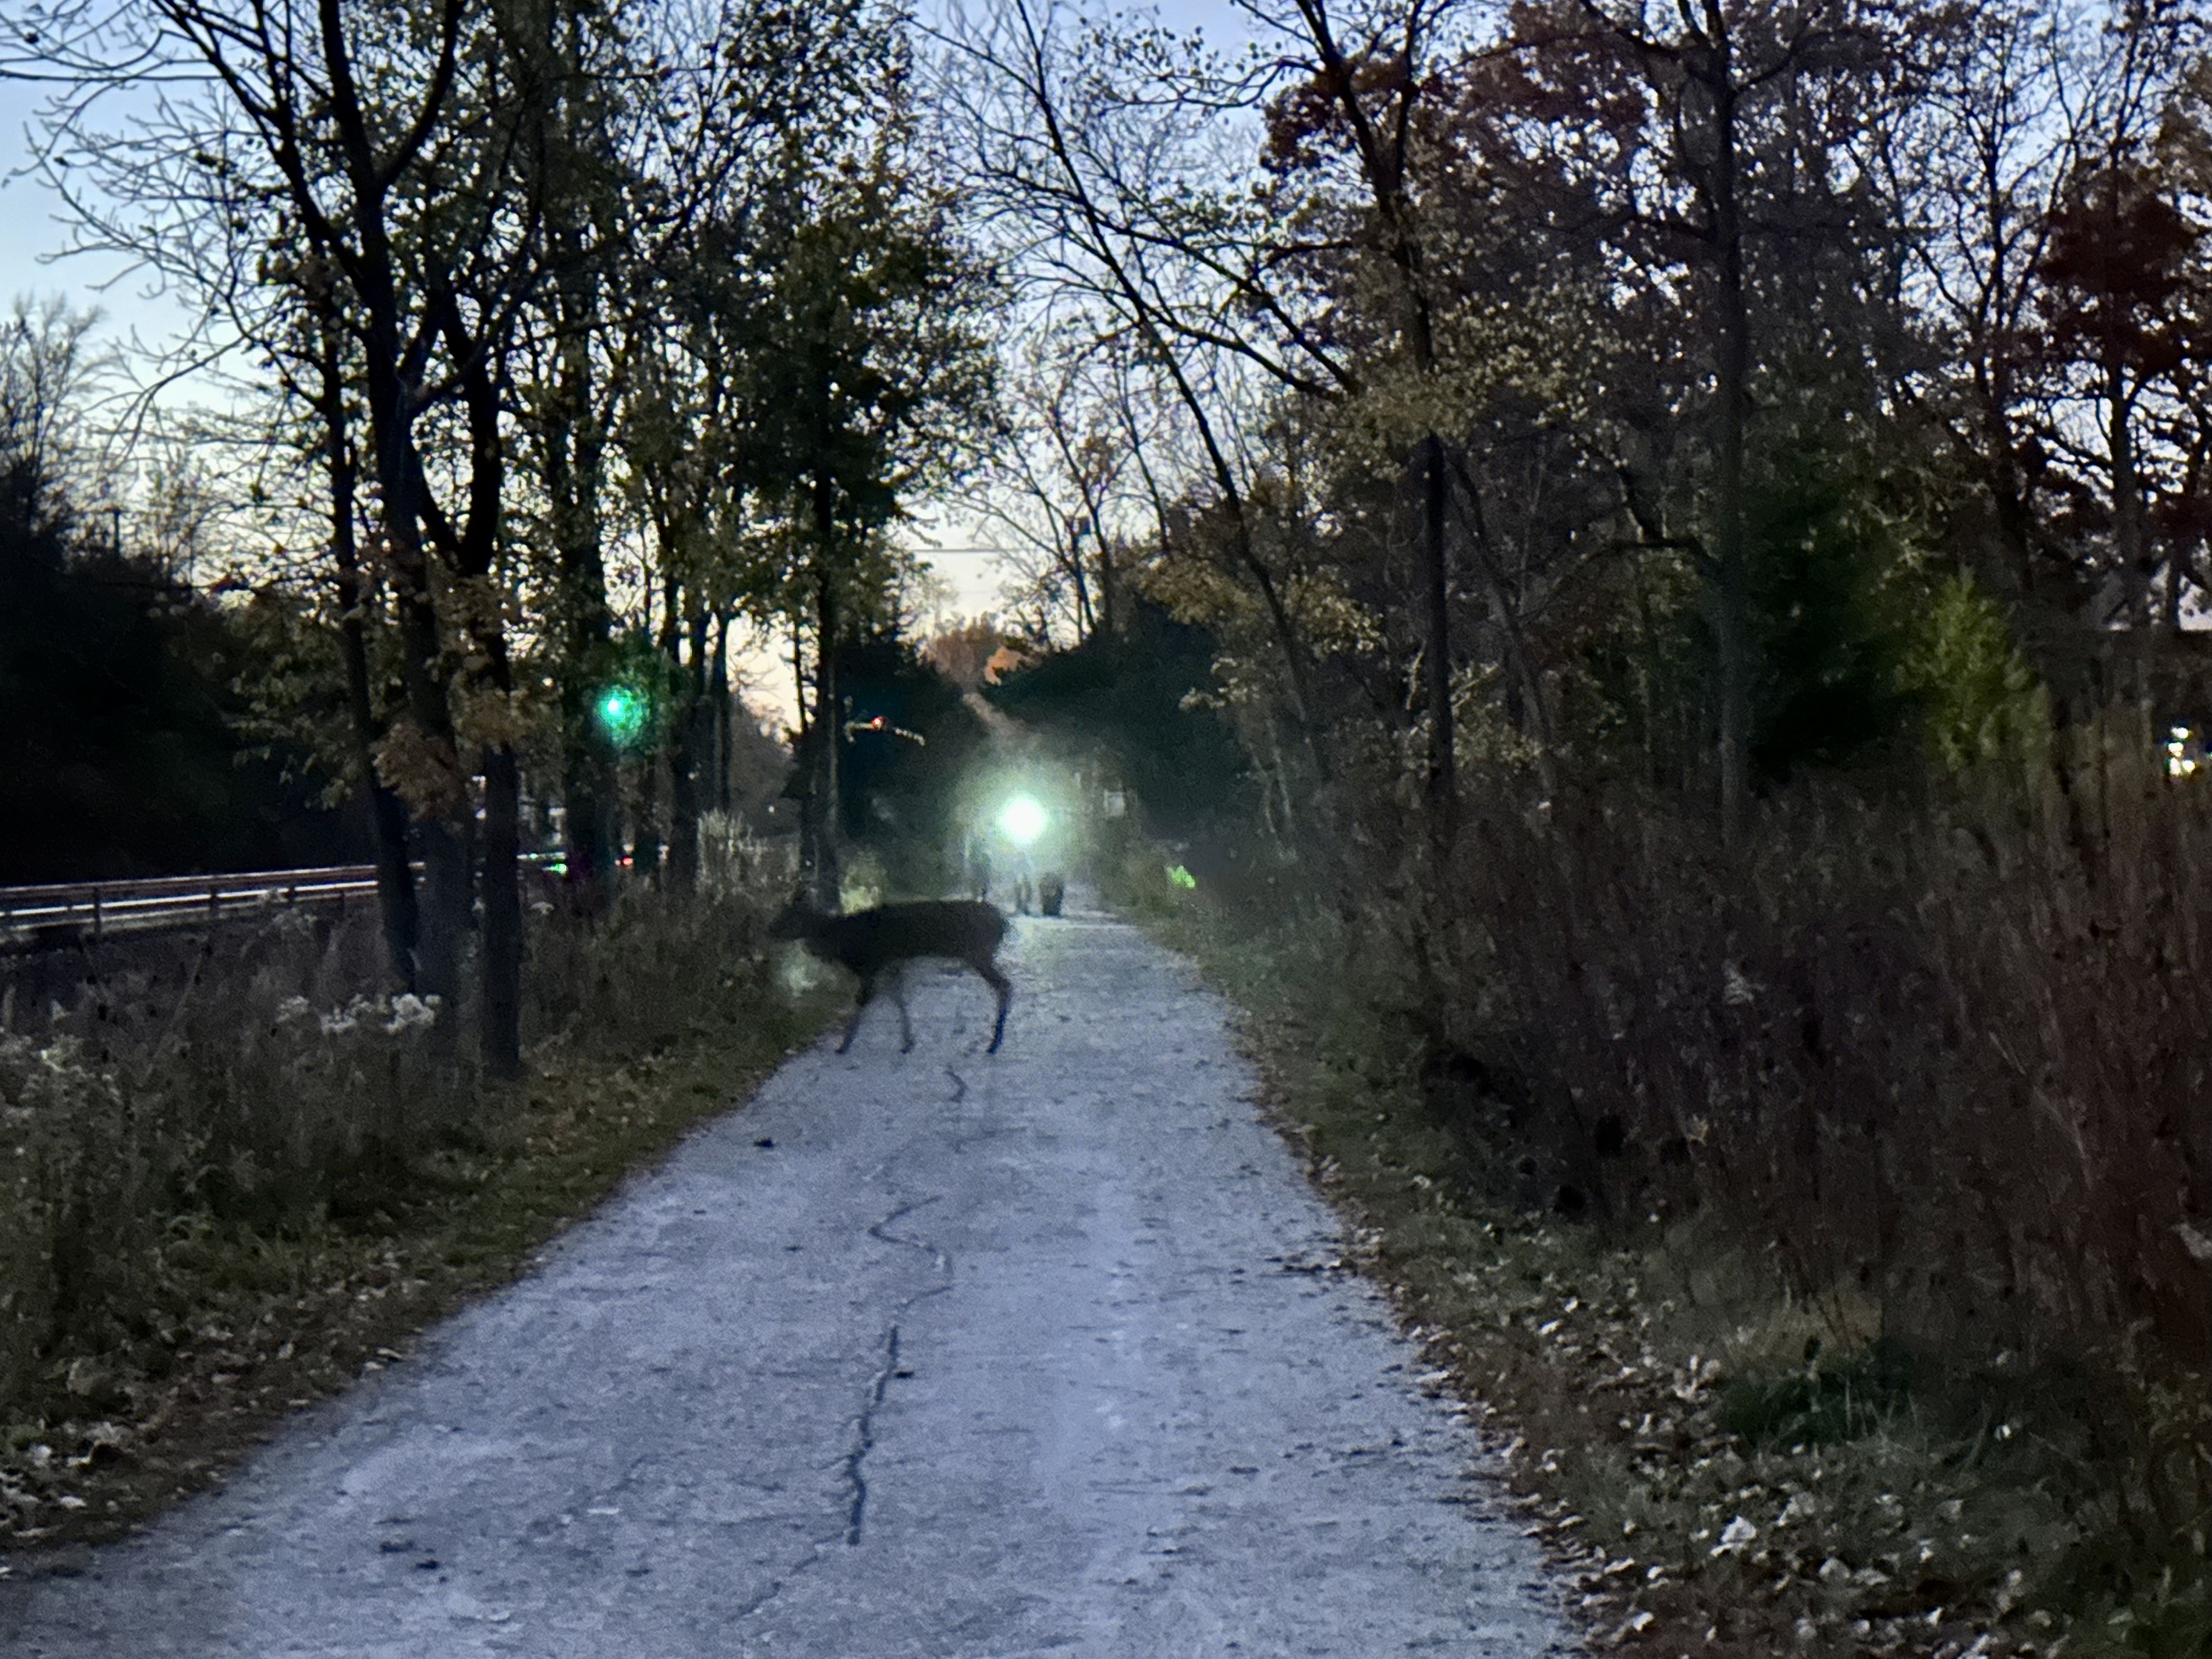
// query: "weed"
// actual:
[[1825, 1401], [227, 1180], [1760, 1382]]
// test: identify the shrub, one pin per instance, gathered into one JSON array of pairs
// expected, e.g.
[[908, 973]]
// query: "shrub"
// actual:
[[1948, 1056], [1911, 1088], [247, 1089]]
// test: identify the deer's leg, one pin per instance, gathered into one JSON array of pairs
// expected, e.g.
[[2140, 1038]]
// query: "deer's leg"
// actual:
[[898, 996], [1000, 983], [867, 994]]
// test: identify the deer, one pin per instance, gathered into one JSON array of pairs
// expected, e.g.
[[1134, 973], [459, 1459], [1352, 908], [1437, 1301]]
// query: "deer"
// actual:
[[875, 945]]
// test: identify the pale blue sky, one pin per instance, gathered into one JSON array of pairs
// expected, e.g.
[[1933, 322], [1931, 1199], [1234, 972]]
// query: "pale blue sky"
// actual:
[[32, 233]]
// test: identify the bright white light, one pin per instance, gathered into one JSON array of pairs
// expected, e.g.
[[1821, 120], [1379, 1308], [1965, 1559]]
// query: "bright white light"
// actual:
[[1024, 820]]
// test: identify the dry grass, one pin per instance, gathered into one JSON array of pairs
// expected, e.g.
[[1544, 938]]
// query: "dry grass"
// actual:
[[230, 1194], [1949, 1057], [1812, 1222]]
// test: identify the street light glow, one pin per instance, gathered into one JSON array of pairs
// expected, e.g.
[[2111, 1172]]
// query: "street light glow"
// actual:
[[1024, 820]]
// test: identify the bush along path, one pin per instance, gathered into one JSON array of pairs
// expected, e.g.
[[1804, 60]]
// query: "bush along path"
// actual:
[[1715, 1466], [266, 1327], [933, 1353], [232, 1200]]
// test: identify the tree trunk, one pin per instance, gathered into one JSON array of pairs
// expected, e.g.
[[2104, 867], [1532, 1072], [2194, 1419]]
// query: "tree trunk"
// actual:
[[434, 788], [395, 878], [829, 883], [588, 829], [1383, 163], [1084, 625], [645, 840], [586, 627], [442, 802], [473, 550], [718, 702], [587, 757], [1534, 718], [828, 880], [1728, 578], [2008, 489], [1443, 789], [801, 784], [685, 747], [1106, 619], [500, 1019], [2127, 538]]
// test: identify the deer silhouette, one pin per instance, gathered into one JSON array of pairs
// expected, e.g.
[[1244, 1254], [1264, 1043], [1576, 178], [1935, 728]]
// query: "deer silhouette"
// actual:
[[875, 945]]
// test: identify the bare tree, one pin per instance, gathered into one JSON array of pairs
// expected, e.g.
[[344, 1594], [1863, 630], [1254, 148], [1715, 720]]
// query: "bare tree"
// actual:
[[1063, 487], [388, 180], [665, 166], [1072, 154]]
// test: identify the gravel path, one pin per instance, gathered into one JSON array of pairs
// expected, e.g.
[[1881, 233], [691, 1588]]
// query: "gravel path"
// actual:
[[1031, 1354]]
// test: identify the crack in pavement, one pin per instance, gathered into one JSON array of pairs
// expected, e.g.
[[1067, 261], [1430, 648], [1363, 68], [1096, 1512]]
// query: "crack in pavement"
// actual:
[[864, 1425], [865, 1440]]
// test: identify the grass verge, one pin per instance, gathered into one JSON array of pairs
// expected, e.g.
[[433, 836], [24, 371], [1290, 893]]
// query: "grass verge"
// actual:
[[1718, 1468], [263, 1323]]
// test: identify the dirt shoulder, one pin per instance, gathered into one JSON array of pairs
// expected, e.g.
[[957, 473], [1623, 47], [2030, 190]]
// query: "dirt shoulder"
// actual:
[[1716, 1469], [262, 1326]]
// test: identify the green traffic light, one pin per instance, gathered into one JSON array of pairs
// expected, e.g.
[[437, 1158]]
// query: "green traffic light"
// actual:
[[623, 713]]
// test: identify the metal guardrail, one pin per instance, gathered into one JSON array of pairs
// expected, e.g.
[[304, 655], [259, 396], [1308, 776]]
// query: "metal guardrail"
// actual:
[[95, 910], [64, 912]]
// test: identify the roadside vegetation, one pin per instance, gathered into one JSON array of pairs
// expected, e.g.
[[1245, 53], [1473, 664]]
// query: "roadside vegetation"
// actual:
[[238, 1181], [1853, 1343], [547, 362]]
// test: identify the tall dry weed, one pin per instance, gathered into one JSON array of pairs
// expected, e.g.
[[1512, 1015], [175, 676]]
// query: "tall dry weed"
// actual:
[[1949, 1054], [1938, 1058], [261, 1084]]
